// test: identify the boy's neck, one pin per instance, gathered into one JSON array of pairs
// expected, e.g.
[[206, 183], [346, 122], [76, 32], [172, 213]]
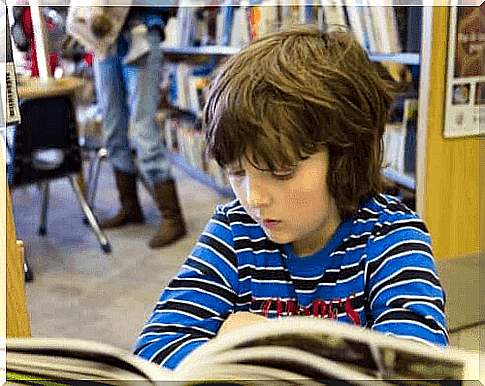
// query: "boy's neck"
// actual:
[[314, 244]]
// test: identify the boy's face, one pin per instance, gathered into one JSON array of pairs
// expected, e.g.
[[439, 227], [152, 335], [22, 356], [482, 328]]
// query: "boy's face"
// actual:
[[292, 205]]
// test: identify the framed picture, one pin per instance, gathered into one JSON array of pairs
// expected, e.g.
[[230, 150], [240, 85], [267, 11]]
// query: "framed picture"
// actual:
[[465, 83]]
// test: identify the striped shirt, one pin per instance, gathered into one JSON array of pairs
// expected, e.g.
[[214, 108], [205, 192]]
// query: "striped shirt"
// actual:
[[377, 271]]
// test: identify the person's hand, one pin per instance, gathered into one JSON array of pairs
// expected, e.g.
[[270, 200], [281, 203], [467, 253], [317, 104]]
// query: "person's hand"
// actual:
[[241, 319]]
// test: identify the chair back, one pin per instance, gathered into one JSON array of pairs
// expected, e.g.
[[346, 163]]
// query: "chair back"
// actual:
[[46, 144]]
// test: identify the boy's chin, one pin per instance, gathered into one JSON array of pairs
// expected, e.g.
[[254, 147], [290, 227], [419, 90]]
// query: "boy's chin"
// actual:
[[278, 238]]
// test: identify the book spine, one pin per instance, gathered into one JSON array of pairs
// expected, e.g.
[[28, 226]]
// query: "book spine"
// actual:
[[10, 113], [254, 21], [413, 42], [382, 38], [368, 25], [356, 22], [334, 12], [393, 31], [410, 127]]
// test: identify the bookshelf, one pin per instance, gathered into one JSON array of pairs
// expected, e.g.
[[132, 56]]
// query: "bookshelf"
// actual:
[[196, 51], [211, 55], [181, 53]]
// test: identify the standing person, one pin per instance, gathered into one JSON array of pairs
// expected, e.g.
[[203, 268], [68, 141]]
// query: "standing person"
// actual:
[[297, 120], [128, 77]]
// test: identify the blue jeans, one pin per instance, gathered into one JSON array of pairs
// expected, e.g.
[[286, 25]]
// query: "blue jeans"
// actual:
[[130, 93]]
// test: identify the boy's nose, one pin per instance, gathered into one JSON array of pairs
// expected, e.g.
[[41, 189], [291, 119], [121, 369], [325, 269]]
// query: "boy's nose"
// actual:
[[257, 195]]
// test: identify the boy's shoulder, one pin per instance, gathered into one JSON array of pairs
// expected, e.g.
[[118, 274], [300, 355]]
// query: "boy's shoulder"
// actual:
[[383, 215], [386, 208], [384, 211]]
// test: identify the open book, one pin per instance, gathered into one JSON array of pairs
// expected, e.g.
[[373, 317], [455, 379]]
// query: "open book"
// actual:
[[295, 350]]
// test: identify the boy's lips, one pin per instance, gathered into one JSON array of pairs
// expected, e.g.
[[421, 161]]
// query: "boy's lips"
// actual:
[[269, 223]]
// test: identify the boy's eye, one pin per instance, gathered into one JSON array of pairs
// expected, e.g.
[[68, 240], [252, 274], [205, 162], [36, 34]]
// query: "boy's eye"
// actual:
[[236, 173], [283, 176]]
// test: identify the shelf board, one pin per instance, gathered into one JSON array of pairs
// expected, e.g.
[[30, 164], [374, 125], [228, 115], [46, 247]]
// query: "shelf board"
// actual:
[[409, 58], [402, 179], [404, 58], [205, 50], [199, 175]]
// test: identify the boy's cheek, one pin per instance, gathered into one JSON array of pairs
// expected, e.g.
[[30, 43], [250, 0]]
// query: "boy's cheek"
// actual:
[[300, 200]]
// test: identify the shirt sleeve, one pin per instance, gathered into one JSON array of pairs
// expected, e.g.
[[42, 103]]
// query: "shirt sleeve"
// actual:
[[405, 295], [195, 303]]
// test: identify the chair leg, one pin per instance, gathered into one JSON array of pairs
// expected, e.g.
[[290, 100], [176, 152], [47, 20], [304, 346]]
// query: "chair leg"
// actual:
[[100, 157], [105, 244], [93, 177], [45, 205]]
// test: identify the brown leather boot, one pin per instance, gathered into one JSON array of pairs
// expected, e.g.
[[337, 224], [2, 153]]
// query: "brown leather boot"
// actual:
[[173, 226], [130, 211]]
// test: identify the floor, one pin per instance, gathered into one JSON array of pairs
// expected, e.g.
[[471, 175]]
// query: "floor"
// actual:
[[80, 292]]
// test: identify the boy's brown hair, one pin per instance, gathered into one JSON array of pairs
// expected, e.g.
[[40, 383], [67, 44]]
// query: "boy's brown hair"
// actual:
[[294, 93]]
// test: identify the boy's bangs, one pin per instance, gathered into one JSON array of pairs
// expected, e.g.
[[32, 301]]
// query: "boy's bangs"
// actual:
[[271, 144]]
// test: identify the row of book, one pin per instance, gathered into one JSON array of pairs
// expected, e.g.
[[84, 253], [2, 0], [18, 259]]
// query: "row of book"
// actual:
[[187, 87], [385, 28], [184, 137], [400, 140]]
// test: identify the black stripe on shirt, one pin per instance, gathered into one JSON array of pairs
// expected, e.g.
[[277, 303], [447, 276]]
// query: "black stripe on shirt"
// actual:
[[365, 215], [241, 217], [265, 274], [330, 277], [398, 207], [405, 275], [174, 329], [207, 271], [256, 245], [192, 309], [384, 229], [398, 249], [168, 350], [353, 242], [223, 250], [208, 287], [245, 299], [401, 302], [221, 218], [404, 315]]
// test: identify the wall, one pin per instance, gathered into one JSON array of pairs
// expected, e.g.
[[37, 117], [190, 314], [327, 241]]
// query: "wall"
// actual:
[[454, 182]]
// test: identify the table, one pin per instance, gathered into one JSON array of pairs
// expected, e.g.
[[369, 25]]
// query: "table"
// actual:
[[33, 88]]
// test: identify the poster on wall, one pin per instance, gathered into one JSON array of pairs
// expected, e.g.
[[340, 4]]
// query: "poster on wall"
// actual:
[[465, 84]]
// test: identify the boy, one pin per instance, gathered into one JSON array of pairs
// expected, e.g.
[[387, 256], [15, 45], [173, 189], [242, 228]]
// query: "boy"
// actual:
[[297, 120]]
